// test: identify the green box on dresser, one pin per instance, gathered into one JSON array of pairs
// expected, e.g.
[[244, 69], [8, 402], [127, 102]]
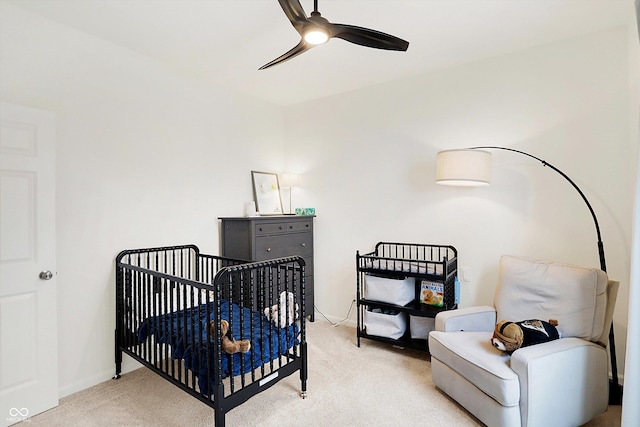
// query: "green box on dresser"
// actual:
[[258, 238]]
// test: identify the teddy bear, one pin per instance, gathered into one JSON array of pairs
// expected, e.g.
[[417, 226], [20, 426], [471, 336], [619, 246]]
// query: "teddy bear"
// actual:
[[229, 345], [510, 336]]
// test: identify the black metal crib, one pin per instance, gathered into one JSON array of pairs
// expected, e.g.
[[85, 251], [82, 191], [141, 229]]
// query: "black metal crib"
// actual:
[[170, 302]]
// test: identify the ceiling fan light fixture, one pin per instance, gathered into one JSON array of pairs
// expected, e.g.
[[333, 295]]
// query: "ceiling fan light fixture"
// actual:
[[316, 35], [315, 30]]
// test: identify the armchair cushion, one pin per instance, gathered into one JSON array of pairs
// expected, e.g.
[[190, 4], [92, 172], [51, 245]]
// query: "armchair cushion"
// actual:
[[531, 289], [471, 355]]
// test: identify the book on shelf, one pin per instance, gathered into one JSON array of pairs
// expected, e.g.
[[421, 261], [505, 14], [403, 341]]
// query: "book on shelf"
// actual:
[[432, 293]]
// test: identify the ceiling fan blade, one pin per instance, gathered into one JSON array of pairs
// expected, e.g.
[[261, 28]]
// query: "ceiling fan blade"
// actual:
[[294, 11], [297, 50], [367, 37]]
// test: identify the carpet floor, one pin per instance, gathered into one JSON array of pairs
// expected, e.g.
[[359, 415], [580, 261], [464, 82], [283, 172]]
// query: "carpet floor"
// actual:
[[374, 385]]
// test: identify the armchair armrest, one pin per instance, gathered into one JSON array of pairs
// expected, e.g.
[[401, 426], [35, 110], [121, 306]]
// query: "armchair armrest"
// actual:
[[470, 319], [551, 371]]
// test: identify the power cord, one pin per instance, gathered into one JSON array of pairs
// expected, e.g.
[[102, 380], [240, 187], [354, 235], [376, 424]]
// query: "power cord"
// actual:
[[340, 322]]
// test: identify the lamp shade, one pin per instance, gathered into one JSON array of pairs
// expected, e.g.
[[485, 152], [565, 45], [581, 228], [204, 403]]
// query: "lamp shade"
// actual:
[[465, 167], [288, 180]]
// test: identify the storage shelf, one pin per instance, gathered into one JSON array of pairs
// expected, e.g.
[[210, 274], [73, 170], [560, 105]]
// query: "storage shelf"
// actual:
[[422, 262], [415, 308], [404, 342], [399, 274]]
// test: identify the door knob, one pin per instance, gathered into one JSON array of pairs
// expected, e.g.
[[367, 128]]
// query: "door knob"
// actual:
[[46, 275]]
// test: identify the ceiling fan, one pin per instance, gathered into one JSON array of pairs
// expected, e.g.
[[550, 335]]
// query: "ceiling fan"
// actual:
[[316, 30]]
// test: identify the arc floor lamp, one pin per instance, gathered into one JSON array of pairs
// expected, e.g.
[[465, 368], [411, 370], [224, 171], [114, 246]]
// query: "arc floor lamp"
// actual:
[[472, 167]]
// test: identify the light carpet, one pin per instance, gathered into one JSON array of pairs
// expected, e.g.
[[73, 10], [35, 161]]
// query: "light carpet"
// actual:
[[374, 385]]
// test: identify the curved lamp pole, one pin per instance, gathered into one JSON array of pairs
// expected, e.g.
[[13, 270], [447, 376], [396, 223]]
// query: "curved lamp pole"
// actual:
[[480, 176]]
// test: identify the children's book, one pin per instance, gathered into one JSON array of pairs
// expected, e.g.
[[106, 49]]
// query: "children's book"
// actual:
[[431, 293]]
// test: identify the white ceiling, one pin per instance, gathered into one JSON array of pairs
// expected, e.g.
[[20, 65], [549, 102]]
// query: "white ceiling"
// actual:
[[225, 41]]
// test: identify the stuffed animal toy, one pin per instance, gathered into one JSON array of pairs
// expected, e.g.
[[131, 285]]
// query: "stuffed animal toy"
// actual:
[[229, 345], [289, 311], [510, 336]]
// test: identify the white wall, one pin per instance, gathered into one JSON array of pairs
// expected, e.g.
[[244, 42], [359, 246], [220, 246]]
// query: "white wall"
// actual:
[[368, 160], [144, 158]]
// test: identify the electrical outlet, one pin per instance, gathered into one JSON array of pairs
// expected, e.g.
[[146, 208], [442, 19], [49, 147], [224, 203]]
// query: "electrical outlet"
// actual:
[[463, 274]]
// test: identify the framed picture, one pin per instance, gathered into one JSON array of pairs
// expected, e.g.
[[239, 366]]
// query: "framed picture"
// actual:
[[266, 193]]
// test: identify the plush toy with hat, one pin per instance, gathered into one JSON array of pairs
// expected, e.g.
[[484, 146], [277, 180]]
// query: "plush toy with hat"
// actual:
[[229, 345], [510, 336]]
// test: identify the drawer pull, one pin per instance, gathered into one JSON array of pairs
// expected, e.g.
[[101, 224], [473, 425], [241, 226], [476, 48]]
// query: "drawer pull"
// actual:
[[260, 229], [268, 249], [304, 244]]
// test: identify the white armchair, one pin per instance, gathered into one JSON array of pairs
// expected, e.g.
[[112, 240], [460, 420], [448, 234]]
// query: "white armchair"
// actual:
[[563, 382]]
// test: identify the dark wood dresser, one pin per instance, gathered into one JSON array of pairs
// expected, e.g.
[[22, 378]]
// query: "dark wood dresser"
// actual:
[[274, 236]]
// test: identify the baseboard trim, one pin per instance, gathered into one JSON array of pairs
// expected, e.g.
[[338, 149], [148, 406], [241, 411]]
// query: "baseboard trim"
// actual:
[[128, 365]]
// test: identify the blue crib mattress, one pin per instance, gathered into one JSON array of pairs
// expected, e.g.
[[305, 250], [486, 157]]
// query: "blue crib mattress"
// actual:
[[187, 333]]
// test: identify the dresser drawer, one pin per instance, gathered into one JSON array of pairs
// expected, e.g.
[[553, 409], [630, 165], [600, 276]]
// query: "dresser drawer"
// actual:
[[298, 226], [285, 245], [270, 228]]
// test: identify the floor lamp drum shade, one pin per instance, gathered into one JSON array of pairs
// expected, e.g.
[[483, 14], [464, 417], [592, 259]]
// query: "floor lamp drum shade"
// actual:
[[467, 167]]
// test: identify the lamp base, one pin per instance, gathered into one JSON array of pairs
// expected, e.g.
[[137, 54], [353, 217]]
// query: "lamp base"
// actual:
[[615, 393]]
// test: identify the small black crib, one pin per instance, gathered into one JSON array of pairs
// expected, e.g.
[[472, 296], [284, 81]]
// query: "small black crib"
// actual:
[[170, 302]]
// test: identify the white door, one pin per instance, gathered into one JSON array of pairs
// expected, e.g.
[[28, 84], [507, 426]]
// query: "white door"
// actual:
[[28, 312]]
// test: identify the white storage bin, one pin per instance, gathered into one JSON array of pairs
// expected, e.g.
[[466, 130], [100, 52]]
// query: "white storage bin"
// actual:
[[392, 291], [421, 326], [385, 325]]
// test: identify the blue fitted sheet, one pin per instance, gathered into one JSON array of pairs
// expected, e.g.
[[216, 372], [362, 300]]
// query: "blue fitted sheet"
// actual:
[[186, 332]]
